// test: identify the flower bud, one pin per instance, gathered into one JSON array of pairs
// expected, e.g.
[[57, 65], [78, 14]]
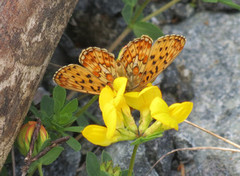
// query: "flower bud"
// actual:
[[110, 169], [25, 136]]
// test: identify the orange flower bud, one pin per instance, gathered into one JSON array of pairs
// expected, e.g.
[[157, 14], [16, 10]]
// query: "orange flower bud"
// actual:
[[25, 136]]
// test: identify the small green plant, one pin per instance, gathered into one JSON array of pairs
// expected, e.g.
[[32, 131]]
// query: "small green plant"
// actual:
[[104, 167], [227, 2], [41, 146], [57, 115], [132, 13]]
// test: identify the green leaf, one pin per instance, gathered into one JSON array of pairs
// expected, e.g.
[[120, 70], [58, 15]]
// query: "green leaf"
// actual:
[[77, 129], [105, 157], [93, 166], [146, 139], [44, 145], [141, 28], [130, 2], [140, 16], [102, 173], [230, 4], [124, 173], [46, 120], [70, 107], [127, 13], [59, 97], [211, 1], [35, 111], [82, 121], [226, 2], [51, 156], [74, 144], [33, 167], [65, 119], [47, 105]]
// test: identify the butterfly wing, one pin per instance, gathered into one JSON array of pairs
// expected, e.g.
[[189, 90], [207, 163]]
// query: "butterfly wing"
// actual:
[[162, 54], [133, 59], [78, 78], [100, 63]]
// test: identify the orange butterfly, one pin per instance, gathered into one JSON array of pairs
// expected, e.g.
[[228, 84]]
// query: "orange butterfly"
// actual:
[[139, 61]]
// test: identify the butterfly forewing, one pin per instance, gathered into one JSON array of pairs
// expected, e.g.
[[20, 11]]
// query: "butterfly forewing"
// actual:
[[99, 62], [78, 78], [163, 52], [134, 58]]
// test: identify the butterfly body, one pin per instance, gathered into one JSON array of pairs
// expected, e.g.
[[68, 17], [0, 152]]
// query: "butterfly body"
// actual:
[[140, 61]]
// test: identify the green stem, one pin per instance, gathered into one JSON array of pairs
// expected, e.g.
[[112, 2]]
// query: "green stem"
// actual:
[[165, 7], [40, 169], [138, 13], [127, 30], [130, 170], [84, 108]]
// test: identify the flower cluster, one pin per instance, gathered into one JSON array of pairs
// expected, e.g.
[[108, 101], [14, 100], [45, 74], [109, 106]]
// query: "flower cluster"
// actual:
[[155, 115]]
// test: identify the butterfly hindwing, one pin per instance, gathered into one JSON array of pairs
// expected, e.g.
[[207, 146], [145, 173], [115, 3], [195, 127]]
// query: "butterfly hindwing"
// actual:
[[162, 54], [78, 78]]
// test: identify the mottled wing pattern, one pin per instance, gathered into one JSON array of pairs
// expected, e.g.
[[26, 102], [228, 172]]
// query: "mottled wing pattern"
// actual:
[[100, 63], [78, 78], [134, 59], [163, 52], [139, 61]]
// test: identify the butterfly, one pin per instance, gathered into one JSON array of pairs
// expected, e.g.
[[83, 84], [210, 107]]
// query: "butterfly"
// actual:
[[140, 61]]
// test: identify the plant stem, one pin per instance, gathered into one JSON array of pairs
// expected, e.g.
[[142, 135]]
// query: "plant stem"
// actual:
[[162, 9], [127, 30], [40, 169], [85, 107], [138, 13], [130, 170]]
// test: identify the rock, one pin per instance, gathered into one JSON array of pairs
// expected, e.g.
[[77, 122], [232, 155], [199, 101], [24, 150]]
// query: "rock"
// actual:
[[121, 154], [211, 55], [66, 164]]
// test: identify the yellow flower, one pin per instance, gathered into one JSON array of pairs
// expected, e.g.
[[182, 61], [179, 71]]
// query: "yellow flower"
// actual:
[[117, 117], [169, 117], [119, 122], [97, 135], [151, 105], [141, 101]]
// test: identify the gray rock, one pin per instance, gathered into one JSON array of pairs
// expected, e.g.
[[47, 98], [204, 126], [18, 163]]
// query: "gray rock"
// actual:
[[212, 56], [156, 149], [69, 160], [121, 154]]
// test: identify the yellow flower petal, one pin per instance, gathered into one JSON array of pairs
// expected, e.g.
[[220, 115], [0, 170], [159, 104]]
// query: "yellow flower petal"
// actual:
[[120, 84], [105, 96], [142, 100], [97, 135], [180, 111], [167, 121], [110, 117], [158, 105], [132, 99]]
